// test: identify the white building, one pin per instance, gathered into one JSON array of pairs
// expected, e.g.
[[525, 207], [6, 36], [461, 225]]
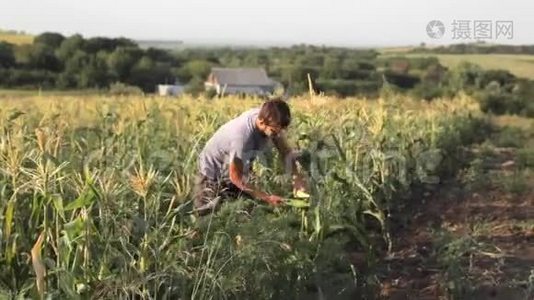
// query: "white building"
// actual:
[[170, 89]]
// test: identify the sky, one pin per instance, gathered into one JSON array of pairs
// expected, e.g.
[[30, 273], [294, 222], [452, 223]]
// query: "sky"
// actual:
[[275, 22]]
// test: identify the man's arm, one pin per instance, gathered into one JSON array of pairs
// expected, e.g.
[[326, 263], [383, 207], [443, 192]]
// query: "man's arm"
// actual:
[[236, 176]]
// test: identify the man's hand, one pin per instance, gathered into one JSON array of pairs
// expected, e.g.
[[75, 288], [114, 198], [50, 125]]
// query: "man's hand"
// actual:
[[289, 160], [236, 176], [273, 199], [299, 183]]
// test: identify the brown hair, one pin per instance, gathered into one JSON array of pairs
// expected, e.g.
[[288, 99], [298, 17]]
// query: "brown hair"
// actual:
[[275, 112]]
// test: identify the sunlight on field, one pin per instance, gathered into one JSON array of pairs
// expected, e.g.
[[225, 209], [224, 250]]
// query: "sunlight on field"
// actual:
[[17, 39]]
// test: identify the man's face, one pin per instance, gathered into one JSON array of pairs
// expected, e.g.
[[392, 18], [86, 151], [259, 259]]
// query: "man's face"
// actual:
[[271, 130]]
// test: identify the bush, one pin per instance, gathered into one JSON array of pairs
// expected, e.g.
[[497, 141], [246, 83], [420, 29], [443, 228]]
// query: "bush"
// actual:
[[405, 81], [497, 103], [525, 157], [348, 87], [510, 137], [50, 39], [427, 91], [503, 77], [119, 88], [195, 86], [528, 110], [27, 78], [210, 93], [7, 57]]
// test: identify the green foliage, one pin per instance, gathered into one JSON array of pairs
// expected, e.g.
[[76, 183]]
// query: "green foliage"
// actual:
[[502, 77], [49, 39], [195, 86], [7, 57], [510, 136], [27, 78], [121, 89], [516, 183], [525, 157], [42, 57], [195, 69], [70, 46], [122, 60], [210, 93], [146, 74], [453, 254], [498, 101], [96, 44], [427, 90], [464, 77], [75, 62], [346, 88], [404, 81]]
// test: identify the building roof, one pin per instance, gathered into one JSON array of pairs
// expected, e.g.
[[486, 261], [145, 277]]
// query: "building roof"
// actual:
[[241, 76]]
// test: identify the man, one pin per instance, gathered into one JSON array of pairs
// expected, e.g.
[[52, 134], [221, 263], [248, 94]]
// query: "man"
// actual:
[[227, 158]]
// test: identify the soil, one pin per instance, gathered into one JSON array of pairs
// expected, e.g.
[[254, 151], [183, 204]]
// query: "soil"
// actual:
[[499, 225]]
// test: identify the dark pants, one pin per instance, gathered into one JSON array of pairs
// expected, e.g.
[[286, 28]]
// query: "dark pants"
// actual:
[[209, 194]]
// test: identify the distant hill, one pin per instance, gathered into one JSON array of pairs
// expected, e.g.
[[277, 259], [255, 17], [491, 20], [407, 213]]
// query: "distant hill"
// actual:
[[16, 37], [477, 48], [161, 44]]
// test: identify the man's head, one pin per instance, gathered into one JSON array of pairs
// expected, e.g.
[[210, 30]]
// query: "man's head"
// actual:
[[274, 117]]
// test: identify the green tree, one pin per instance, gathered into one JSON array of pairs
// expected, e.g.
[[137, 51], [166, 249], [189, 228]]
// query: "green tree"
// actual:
[[331, 67], [69, 46], [7, 57], [122, 60], [195, 86], [93, 45], [73, 69], [198, 69], [42, 57], [50, 39], [94, 73]]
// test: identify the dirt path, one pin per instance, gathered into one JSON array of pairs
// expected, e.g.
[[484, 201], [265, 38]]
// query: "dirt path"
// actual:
[[472, 237]]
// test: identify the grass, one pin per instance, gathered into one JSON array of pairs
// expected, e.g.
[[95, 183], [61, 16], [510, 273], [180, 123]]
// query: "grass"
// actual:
[[99, 188]]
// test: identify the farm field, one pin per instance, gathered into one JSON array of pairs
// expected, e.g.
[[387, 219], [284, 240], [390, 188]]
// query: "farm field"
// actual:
[[29, 93], [16, 39], [519, 65], [95, 202]]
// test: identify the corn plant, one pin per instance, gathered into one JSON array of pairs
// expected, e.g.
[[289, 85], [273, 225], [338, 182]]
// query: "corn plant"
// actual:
[[95, 195]]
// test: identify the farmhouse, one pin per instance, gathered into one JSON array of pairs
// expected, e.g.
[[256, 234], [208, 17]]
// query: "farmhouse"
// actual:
[[251, 81]]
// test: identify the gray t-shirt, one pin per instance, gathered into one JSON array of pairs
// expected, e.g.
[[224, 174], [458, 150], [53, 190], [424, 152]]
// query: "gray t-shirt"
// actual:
[[239, 138]]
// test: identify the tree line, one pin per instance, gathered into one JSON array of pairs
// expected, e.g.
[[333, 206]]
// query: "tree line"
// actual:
[[54, 61], [476, 48]]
